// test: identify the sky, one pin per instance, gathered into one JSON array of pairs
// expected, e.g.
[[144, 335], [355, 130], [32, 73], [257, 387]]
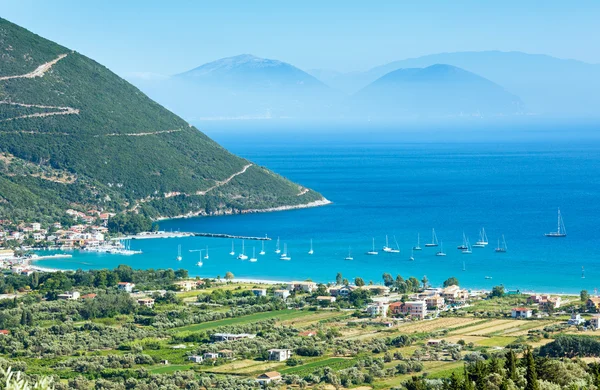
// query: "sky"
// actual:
[[146, 37]]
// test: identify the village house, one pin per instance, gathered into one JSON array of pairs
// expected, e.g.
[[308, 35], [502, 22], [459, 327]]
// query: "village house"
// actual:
[[593, 304], [379, 290], [308, 333], [148, 302], [435, 302], [226, 354], [210, 355], [595, 322], [308, 287], [196, 358], [575, 319], [89, 296], [185, 285], [6, 254], [259, 292], [126, 286], [283, 294], [378, 309], [4, 332], [550, 303], [325, 299], [521, 312], [343, 291], [69, 295], [279, 355], [414, 309], [268, 377]]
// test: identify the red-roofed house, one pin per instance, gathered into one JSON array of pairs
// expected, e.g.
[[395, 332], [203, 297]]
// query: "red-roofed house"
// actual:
[[521, 312]]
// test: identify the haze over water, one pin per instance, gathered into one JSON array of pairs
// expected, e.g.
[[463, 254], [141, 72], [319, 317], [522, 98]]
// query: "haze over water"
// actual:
[[400, 186]]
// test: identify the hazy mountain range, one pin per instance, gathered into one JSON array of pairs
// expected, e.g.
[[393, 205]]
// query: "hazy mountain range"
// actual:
[[488, 83]]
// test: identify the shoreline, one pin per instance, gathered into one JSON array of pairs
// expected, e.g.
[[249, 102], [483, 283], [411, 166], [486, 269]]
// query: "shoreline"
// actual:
[[316, 203]]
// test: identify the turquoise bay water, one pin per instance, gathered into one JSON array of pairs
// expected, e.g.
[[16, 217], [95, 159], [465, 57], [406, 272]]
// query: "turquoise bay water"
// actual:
[[400, 189]]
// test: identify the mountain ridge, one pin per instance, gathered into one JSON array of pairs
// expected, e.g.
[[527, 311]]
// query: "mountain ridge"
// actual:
[[125, 151]]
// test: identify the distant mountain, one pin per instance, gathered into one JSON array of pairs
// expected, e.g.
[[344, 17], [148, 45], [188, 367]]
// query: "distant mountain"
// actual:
[[244, 86], [436, 91], [75, 135], [547, 85]]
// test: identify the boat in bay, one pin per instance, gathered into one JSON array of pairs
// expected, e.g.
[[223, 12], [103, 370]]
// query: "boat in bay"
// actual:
[[501, 248], [560, 228], [434, 240], [242, 256], [372, 251]]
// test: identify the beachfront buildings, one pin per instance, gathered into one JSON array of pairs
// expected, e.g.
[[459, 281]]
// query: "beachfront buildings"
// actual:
[[279, 355], [435, 302], [308, 287], [186, 285], [593, 304], [259, 292], [378, 309], [283, 294], [521, 312], [414, 309]]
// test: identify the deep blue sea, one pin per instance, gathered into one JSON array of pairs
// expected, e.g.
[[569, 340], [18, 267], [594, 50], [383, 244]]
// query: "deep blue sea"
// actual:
[[400, 186]]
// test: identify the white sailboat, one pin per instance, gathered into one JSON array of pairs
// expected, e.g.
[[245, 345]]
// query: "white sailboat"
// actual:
[[232, 253], [277, 250], [463, 246], [373, 251], [242, 256], [418, 247], [310, 252], [468, 250], [285, 255], [199, 263], [434, 240], [483, 240], [501, 249], [206, 255], [349, 257], [386, 247], [179, 258], [262, 251], [253, 259], [560, 228], [412, 255], [441, 251]]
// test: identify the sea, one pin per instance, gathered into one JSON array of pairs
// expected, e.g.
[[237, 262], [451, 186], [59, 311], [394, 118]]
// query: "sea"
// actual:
[[404, 182]]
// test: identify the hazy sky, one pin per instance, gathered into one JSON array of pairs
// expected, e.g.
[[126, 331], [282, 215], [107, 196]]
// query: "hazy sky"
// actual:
[[168, 37]]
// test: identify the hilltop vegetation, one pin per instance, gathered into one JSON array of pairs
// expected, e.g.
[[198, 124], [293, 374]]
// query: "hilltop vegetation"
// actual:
[[76, 116]]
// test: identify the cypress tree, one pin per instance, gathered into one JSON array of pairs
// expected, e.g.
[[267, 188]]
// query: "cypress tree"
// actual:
[[511, 365], [531, 374], [468, 383], [23, 318]]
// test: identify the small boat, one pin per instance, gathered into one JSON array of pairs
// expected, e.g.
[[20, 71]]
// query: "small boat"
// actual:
[[349, 257], [434, 240], [488, 277], [310, 252], [242, 256], [560, 228], [232, 253], [418, 247], [373, 251], [277, 250], [262, 251], [199, 264], [463, 246], [501, 249], [179, 258], [253, 259], [412, 255], [483, 240], [397, 250], [468, 250], [206, 255], [441, 251], [285, 255]]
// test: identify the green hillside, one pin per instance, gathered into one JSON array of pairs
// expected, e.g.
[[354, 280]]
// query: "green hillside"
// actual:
[[74, 134]]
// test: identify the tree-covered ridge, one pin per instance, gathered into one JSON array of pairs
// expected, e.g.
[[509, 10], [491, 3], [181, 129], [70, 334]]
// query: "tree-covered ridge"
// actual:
[[76, 116]]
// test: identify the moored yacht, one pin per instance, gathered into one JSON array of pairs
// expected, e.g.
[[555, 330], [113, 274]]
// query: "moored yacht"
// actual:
[[501, 249], [349, 257], [463, 246], [277, 250], [285, 255], [262, 251], [373, 251], [418, 247], [434, 240], [242, 256], [179, 258], [232, 253], [560, 228], [441, 251], [310, 252], [253, 259], [483, 240]]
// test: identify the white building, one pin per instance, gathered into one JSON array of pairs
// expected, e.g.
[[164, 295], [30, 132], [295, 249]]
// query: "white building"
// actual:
[[283, 294], [279, 355], [69, 295], [595, 322], [268, 377], [196, 358], [259, 292], [378, 309], [126, 286], [521, 312], [575, 319]]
